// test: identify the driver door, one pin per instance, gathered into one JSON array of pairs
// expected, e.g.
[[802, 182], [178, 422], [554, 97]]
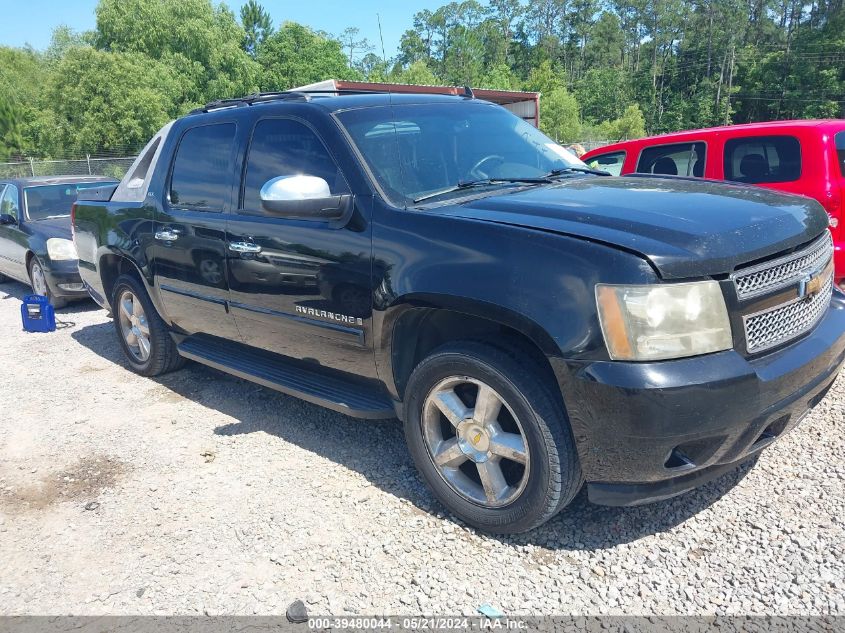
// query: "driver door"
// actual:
[[301, 288]]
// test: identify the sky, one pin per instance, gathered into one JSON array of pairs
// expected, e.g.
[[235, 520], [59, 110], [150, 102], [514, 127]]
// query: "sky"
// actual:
[[32, 21]]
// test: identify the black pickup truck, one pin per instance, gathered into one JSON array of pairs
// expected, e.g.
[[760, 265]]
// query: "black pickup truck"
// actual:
[[536, 325]]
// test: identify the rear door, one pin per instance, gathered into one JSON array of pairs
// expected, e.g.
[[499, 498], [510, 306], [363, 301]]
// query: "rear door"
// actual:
[[300, 288], [188, 253]]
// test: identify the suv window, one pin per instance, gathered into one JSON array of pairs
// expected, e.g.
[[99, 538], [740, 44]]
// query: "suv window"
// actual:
[[284, 147], [611, 163], [678, 159], [9, 203], [763, 159], [840, 151], [202, 168]]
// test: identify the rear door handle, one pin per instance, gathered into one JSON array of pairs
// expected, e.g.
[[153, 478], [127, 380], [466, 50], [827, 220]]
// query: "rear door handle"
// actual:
[[167, 235], [244, 247]]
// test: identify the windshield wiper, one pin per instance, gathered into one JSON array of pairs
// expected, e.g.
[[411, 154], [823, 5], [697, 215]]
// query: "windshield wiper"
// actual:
[[481, 182], [581, 170]]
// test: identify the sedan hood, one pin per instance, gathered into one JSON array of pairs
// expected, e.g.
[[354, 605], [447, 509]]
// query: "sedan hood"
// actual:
[[52, 227], [684, 227]]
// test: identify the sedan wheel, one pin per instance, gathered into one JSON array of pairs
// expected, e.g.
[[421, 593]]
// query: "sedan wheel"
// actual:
[[39, 281], [133, 326]]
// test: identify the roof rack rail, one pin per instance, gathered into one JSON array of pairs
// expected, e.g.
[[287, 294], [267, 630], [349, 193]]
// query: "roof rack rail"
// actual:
[[258, 97], [303, 95]]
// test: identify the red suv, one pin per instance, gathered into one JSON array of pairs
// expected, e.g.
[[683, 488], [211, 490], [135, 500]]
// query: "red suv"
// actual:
[[802, 157]]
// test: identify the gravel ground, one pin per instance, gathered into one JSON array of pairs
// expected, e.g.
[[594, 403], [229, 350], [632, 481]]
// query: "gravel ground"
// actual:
[[200, 493]]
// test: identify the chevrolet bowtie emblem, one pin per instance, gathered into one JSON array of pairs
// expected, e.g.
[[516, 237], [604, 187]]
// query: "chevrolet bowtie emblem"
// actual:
[[810, 286], [476, 438]]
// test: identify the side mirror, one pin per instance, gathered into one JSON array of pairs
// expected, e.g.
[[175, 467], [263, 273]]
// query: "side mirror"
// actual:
[[7, 218], [304, 198]]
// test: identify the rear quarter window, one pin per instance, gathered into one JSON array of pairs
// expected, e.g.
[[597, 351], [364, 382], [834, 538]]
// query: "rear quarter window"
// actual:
[[840, 151], [677, 159], [763, 159], [611, 162], [202, 169]]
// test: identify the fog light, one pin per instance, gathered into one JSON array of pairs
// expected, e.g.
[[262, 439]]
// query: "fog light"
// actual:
[[78, 286]]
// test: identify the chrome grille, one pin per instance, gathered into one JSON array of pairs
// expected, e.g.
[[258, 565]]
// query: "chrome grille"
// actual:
[[772, 327], [783, 272]]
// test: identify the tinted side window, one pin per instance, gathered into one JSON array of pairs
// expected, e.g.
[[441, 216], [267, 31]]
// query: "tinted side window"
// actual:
[[202, 169], [9, 203], [283, 147], [678, 159], [611, 163], [763, 159], [840, 151]]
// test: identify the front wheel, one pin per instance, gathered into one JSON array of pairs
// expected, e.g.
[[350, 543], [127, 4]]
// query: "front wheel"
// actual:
[[142, 333], [38, 281], [489, 438]]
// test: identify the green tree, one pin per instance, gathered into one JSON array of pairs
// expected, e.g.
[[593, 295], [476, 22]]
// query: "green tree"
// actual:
[[560, 117], [23, 74], [201, 40], [355, 45], [257, 25], [628, 126], [417, 74], [499, 77], [295, 55], [603, 94], [105, 101], [11, 136]]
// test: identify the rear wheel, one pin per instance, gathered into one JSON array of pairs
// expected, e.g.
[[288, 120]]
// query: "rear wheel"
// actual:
[[38, 281], [489, 438], [143, 334]]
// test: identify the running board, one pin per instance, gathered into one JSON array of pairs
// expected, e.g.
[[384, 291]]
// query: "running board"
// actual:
[[289, 376]]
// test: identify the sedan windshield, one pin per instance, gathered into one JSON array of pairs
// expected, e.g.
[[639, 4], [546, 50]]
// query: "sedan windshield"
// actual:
[[53, 201], [434, 152]]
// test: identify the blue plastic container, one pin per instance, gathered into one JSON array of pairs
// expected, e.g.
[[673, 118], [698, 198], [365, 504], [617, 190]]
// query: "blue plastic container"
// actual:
[[38, 314]]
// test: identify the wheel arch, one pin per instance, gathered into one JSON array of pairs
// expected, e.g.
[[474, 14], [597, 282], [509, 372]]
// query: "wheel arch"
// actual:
[[112, 265], [417, 325]]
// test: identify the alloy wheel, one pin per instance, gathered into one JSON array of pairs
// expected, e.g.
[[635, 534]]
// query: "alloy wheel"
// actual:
[[134, 326], [475, 441]]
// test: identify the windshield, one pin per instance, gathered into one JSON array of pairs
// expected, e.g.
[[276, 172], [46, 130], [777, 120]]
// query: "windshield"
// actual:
[[54, 201], [840, 151], [425, 149]]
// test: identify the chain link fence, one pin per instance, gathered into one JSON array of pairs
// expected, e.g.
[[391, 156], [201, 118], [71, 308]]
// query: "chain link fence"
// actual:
[[116, 166], [89, 166]]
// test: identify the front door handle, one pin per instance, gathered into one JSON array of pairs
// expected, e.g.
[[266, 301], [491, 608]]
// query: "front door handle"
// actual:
[[244, 247], [167, 235]]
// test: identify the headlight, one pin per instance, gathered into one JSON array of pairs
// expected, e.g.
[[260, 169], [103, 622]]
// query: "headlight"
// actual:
[[658, 322], [59, 249]]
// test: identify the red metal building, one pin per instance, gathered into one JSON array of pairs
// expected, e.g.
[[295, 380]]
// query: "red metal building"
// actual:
[[523, 104]]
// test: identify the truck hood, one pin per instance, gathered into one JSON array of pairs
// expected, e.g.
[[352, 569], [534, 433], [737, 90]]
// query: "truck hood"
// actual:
[[684, 227]]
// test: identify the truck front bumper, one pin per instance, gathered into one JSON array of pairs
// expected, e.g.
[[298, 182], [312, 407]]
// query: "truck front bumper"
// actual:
[[650, 431]]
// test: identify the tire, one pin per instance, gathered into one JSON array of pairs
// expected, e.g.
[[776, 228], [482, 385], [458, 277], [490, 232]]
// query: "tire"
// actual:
[[136, 320], [38, 281], [529, 441]]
